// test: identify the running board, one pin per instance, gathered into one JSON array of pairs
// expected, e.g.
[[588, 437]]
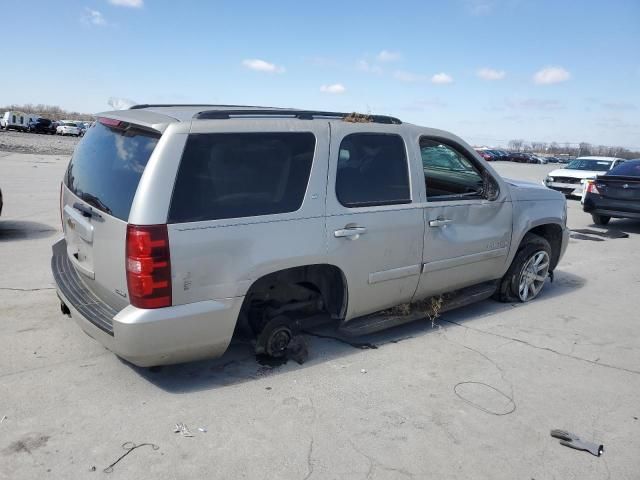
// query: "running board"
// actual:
[[430, 307]]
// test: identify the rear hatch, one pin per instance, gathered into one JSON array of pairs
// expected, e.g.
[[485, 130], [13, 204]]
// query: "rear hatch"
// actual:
[[617, 187], [96, 198]]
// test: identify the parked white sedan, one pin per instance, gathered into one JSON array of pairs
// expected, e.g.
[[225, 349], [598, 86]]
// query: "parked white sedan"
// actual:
[[68, 128], [570, 180]]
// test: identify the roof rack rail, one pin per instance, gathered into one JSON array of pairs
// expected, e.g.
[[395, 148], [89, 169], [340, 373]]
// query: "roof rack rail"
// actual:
[[151, 105], [282, 112]]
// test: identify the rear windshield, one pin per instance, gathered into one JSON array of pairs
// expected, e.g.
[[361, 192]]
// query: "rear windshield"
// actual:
[[107, 165], [233, 175], [629, 169], [594, 165]]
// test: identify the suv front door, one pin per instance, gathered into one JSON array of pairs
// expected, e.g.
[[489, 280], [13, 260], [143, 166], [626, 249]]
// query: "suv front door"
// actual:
[[374, 226], [468, 219]]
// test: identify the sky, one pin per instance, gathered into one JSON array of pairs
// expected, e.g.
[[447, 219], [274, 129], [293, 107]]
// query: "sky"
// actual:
[[487, 70]]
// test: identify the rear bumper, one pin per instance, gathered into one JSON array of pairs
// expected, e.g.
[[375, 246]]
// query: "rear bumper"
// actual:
[[144, 337], [611, 208]]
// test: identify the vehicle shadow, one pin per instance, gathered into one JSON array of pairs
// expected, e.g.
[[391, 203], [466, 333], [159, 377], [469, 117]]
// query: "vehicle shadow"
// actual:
[[14, 230], [620, 224], [239, 365]]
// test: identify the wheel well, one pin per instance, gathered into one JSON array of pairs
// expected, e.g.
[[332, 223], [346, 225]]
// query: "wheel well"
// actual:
[[553, 234], [286, 286]]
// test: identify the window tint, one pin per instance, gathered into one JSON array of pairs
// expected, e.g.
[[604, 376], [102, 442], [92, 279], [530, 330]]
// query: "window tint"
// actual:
[[593, 165], [232, 175], [372, 170], [107, 165], [448, 172]]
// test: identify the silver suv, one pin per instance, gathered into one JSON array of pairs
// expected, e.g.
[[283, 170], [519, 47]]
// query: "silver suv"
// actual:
[[186, 223]]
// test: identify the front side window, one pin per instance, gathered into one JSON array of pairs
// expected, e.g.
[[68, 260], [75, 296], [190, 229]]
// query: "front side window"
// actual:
[[234, 175], [448, 173], [372, 170]]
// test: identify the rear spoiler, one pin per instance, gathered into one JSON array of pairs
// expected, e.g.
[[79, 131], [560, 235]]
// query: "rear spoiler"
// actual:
[[142, 118]]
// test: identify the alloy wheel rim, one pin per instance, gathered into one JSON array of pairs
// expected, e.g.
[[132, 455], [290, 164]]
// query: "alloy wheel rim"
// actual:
[[533, 275]]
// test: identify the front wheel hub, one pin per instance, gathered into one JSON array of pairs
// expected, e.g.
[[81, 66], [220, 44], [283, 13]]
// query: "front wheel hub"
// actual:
[[533, 275]]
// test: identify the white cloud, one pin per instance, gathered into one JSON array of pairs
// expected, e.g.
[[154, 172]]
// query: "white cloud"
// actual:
[[335, 88], [551, 75], [94, 17], [479, 7], [388, 56], [262, 66], [365, 66], [119, 103], [441, 79], [619, 106], [491, 74], [408, 77], [534, 104], [127, 3]]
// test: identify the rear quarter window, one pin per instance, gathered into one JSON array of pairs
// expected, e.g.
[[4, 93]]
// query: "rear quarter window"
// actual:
[[234, 175], [107, 165]]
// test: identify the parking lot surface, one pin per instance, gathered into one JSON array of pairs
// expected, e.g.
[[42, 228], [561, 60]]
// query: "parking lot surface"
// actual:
[[472, 395]]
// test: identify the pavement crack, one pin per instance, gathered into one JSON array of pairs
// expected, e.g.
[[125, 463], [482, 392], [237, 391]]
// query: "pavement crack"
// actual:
[[547, 349], [309, 461], [373, 464]]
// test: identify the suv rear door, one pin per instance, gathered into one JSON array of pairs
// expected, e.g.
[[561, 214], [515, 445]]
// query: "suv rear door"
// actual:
[[374, 224], [96, 198]]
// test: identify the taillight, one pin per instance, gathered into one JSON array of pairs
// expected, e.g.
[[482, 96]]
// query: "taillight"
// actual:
[[591, 187], [148, 266]]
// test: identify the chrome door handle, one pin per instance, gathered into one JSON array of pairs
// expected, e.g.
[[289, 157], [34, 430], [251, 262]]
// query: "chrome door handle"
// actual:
[[350, 232], [440, 222]]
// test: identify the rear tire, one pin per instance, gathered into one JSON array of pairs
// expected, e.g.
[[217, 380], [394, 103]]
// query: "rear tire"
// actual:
[[600, 219], [529, 268]]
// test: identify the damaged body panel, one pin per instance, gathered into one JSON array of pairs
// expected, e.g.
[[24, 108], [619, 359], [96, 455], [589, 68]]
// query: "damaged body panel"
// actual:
[[211, 220]]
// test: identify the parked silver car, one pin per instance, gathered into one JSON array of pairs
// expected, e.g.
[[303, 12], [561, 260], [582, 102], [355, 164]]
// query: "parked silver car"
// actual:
[[185, 224]]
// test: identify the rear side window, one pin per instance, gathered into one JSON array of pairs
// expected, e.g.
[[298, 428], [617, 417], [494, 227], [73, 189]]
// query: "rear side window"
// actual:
[[234, 175], [372, 170], [107, 165], [631, 169]]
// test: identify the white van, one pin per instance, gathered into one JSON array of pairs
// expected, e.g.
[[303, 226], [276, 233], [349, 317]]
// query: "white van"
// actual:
[[14, 120]]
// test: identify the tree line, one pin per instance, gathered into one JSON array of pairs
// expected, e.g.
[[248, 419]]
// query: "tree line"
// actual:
[[52, 112], [573, 149]]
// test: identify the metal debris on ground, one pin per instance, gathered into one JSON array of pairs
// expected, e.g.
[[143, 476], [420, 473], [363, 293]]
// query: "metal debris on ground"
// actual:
[[129, 447], [183, 430], [572, 441], [202, 429], [4, 417]]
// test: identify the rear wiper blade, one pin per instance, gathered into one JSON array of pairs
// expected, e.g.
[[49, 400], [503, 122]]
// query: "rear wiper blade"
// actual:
[[96, 202]]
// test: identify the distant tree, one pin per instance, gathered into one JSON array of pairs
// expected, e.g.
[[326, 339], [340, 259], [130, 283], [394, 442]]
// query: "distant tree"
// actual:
[[516, 145], [584, 148], [52, 112], [539, 147]]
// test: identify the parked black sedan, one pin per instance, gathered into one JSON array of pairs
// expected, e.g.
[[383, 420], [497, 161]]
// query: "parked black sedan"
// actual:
[[616, 194]]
